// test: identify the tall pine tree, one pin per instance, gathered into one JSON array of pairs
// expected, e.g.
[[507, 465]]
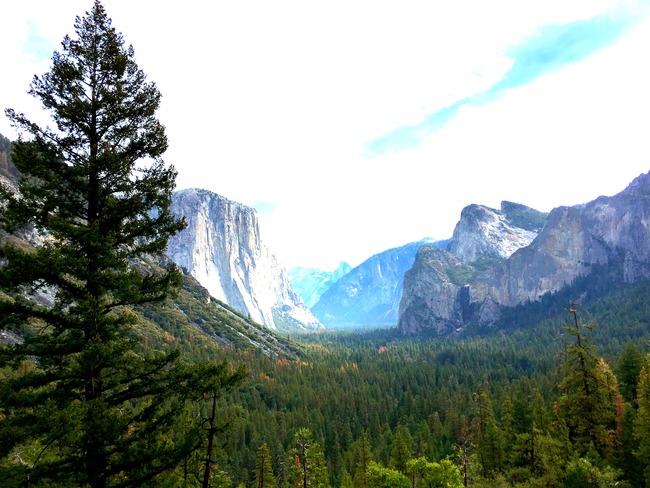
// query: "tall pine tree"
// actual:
[[264, 477], [309, 469], [588, 403], [94, 410]]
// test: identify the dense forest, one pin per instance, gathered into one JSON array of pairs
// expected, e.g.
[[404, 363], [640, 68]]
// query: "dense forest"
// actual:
[[554, 405], [490, 409], [551, 396], [116, 370]]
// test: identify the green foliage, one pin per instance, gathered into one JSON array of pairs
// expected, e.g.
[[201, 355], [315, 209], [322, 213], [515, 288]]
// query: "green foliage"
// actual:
[[523, 216], [628, 370], [308, 469], [362, 453], [580, 473], [460, 275], [590, 389], [400, 451], [94, 408], [428, 474], [381, 477], [264, 477], [642, 421]]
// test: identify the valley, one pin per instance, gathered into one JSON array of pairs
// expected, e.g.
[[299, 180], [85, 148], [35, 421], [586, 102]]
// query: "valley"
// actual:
[[151, 337]]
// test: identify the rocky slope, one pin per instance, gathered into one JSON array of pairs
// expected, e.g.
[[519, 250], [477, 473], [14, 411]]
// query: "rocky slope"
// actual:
[[609, 231], [310, 283], [436, 294], [221, 247], [369, 295], [483, 232]]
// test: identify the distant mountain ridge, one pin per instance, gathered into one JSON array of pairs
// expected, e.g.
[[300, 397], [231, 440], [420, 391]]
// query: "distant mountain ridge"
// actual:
[[311, 283], [368, 296], [445, 292]]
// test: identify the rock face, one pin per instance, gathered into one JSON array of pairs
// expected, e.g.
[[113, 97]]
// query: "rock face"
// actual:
[[437, 296], [222, 249], [573, 240], [432, 293], [311, 283], [369, 295], [484, 232]]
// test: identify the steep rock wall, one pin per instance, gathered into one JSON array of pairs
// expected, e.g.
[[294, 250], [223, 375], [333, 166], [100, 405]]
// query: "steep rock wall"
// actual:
[[221, 247]]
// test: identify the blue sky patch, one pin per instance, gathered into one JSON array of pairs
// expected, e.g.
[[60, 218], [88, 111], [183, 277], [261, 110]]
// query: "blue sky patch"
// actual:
[[551, 48], [37, 46]]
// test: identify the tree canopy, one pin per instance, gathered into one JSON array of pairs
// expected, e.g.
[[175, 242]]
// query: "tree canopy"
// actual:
[[85, 404]]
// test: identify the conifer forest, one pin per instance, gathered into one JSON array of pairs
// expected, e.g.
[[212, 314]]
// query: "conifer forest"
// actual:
[[111, 374]]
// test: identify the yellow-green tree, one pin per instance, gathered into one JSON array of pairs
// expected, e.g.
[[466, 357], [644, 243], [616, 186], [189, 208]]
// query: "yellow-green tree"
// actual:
[[642, 421], [264, 477], [308, 469], [589, 395]]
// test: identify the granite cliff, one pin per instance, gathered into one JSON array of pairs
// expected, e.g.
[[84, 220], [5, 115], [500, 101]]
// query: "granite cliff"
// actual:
[[609, 231], [221, 247], [436, 295]]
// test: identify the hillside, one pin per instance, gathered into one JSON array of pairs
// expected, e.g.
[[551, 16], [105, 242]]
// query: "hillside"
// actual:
[[194, 321]]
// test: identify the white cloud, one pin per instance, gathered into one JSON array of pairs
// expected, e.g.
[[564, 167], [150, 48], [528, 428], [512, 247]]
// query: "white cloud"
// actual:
[[273, 101]]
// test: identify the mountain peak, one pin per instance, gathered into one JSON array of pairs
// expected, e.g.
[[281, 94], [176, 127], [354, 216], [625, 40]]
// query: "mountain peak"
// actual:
[[484, 232]]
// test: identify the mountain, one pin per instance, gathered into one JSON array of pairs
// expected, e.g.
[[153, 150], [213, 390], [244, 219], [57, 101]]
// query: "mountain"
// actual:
[[446, 293], [486, 233], [193, 320], [311, 283], [369, 295], [221, 247]]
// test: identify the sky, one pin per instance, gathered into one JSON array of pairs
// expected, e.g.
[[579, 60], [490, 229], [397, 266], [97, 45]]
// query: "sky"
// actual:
[[355, 126]]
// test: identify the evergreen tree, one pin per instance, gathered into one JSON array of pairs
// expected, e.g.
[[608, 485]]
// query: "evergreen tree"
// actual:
[[624, 458], [489, 438], [628, 369], [642, 421], [98, 411], [264, 477], [540, 416], [308, 470], [346, 480], [508, 430], [400, 451], [362, 458], [588, 403]]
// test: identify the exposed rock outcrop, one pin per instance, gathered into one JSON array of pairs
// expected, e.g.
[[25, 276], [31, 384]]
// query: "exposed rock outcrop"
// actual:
[[483, 232], [437, 295], [221, 247], [572, 242]]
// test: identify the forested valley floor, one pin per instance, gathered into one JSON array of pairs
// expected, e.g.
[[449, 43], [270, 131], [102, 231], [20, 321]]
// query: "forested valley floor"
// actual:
[[564, 403], [118, 371]]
